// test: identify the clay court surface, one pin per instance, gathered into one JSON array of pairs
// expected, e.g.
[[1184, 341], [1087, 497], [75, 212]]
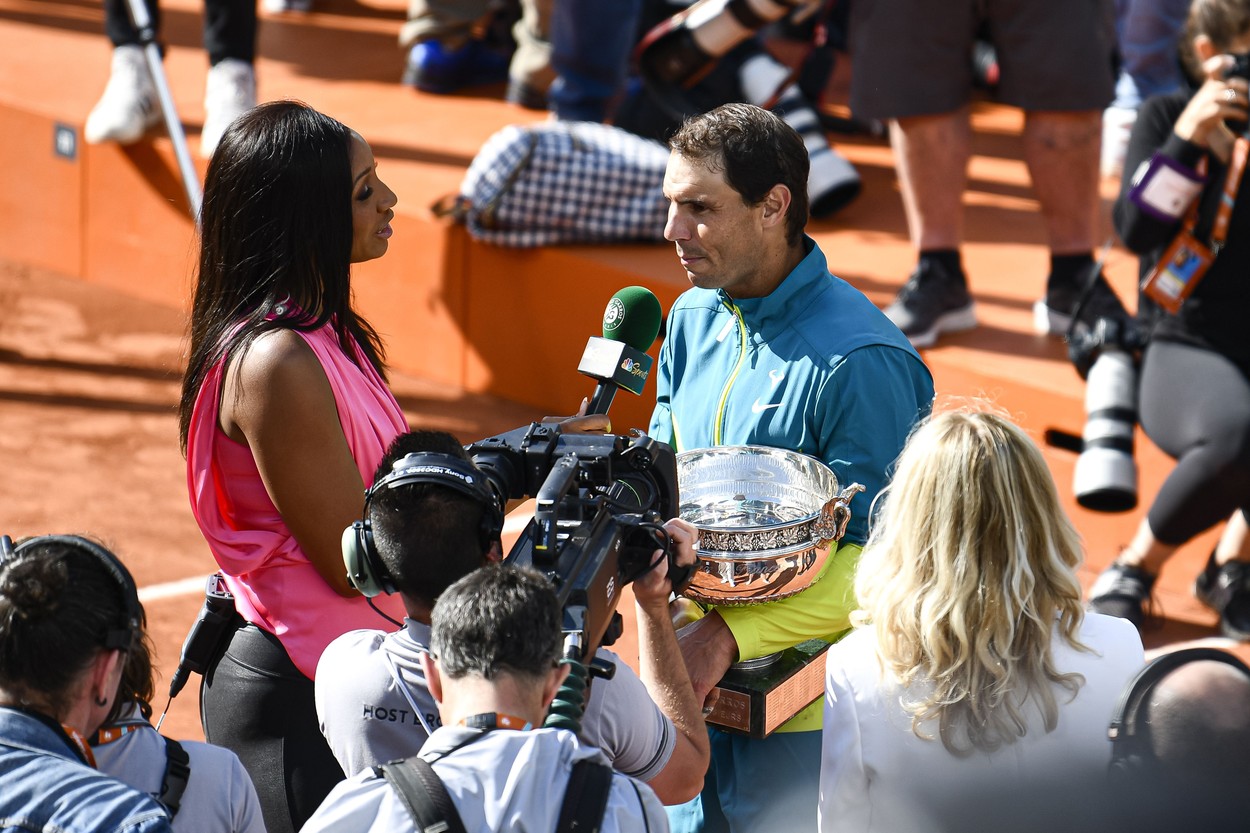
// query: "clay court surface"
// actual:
[[89, 383], [94, 279]]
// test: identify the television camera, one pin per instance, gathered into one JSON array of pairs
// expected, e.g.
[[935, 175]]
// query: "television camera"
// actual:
[[600, 505]]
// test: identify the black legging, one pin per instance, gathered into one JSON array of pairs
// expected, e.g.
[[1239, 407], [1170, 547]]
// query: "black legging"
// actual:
[[1195, 405], [258, 704]]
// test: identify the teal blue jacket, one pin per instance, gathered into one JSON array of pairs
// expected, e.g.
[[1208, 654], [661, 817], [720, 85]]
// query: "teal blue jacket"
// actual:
[[814, 367]]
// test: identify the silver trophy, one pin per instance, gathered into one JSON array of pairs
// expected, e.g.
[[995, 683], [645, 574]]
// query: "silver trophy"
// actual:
[[766, 518]]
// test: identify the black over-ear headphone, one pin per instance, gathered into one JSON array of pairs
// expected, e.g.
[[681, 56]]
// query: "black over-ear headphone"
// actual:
[[1130, 752], [365, 569], [122, 635]]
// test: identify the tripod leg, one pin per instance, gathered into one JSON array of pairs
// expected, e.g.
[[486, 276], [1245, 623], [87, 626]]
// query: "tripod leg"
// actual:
[[152, 53]]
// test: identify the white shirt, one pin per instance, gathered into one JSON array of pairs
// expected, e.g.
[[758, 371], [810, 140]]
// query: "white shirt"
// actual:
[[373, 705], [877, 775], [220, 796], [499, 781]]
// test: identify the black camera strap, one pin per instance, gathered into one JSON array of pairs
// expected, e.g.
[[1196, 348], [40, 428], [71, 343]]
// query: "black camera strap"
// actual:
[[177, 774], [423, 794], [586, 797], [428, 802]]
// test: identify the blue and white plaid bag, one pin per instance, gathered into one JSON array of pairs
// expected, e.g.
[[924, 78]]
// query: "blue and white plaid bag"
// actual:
[[563, 182]]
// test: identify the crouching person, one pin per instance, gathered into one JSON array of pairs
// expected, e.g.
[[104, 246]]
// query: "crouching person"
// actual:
[[492, 667]]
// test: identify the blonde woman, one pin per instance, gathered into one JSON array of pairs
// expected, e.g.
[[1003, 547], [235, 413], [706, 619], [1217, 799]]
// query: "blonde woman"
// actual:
[[975, 674]]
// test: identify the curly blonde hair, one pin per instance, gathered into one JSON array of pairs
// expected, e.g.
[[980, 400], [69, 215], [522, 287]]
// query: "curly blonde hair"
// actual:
[[969, 569]]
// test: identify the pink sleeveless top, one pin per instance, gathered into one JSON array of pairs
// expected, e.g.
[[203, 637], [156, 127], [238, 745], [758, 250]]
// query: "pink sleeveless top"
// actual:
[[274, 584]]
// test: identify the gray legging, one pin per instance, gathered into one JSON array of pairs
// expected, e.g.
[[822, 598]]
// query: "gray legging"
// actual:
[[1195, 405]]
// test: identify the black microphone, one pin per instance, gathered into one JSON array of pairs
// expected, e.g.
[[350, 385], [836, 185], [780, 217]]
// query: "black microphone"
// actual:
[[619, 358], [210, 627]]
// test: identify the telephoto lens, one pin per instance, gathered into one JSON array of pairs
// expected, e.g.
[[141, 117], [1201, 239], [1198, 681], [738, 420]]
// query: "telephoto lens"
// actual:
[[1106, 473]]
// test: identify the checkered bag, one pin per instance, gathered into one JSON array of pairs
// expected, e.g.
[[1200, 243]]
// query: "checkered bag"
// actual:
[[563, 182]]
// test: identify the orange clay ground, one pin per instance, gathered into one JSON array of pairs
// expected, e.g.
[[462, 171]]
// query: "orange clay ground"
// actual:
[[95, 255]]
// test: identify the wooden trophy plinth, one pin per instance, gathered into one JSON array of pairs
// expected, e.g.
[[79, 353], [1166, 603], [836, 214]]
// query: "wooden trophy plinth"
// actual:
[[758, 695]]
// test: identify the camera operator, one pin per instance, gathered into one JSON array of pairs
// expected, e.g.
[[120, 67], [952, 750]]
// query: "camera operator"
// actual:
[[373, 701], [495, 637], [1182, 212]]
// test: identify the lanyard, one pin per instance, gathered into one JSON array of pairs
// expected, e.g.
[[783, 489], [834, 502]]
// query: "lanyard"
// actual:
[[1232, 183], [79, 743], [496, 720], [108, 734]]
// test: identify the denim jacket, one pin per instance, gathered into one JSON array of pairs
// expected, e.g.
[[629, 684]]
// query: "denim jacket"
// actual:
[[44, 787]]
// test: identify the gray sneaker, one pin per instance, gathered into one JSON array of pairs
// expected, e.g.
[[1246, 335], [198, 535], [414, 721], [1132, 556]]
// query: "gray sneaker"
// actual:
[[932, 302]]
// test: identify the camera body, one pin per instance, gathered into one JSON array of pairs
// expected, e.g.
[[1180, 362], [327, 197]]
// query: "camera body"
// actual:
[[1240, 67], [600, 502], [1107, 357]]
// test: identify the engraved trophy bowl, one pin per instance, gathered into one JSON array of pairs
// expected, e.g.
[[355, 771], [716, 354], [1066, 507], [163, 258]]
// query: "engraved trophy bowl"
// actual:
[[765, 518]]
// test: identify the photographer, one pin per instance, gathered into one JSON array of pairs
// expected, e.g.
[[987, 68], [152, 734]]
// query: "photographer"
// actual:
[[373, 700], [1182, 211], [69, 615], [204, 787], [495, 637]]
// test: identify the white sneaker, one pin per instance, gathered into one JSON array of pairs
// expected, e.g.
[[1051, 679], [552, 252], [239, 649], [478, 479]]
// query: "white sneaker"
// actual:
[[1117, 124], [229, 92], [129, 106]]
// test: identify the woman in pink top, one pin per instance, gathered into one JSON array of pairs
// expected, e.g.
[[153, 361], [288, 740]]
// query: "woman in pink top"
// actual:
[[285, 414]]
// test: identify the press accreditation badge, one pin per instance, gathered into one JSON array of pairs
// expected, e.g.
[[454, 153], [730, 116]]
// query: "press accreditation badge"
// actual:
[[1177, 273], [1164, 188]]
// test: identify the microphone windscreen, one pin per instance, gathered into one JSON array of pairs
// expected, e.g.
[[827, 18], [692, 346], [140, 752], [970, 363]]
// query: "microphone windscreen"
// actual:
[[633, 316]]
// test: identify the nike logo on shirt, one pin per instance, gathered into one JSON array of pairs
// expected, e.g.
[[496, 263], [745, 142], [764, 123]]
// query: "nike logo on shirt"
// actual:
[[775, 376]]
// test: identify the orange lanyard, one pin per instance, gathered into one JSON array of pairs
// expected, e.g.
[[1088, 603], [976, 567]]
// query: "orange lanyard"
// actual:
[[496, 720], [1232, 182], [80, 743], [108, 734]]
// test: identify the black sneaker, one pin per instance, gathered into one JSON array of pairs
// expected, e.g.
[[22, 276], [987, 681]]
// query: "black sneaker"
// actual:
[[932, 302], [1053, 314], [1123, 590], [1225, 588]]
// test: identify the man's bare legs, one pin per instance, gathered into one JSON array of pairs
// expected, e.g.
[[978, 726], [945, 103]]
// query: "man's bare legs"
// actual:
[[1062, 150], [931, 157]]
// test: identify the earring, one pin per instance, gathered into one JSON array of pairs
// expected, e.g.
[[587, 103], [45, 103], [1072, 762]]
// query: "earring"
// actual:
[[101, 701]]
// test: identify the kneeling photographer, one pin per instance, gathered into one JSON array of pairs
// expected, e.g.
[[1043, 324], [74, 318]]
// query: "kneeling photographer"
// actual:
[[1183, 213]]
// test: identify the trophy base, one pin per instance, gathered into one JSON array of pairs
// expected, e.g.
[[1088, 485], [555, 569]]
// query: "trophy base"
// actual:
[[758, 695]]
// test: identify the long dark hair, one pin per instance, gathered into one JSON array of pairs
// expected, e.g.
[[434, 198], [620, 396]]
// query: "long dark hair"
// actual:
[[276, 235]]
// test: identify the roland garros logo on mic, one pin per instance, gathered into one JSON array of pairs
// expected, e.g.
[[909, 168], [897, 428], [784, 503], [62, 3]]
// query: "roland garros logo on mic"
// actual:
[[613, 316]]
